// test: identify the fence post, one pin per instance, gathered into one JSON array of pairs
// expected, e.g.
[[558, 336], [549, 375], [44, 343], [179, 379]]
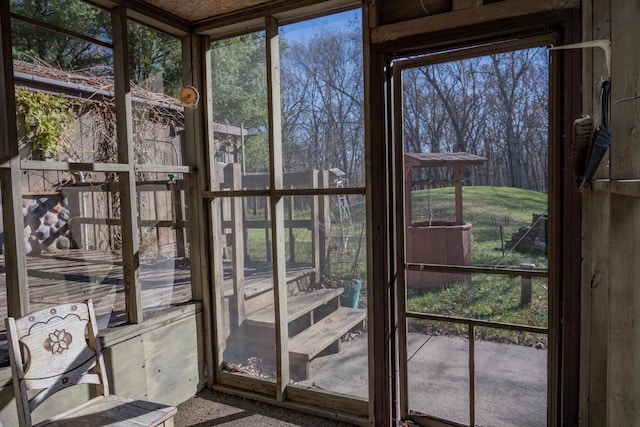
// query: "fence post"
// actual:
[[525, 287]]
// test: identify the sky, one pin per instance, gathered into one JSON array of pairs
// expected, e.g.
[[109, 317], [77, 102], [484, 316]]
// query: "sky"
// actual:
[[301, 31]]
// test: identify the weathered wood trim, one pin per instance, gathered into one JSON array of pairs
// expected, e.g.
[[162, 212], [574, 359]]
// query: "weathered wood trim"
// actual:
[[60, 30], [328, 399], [67, 166], [112, 336], [10, 179], [284, 192], [100, 167], [277, 206], [381, 310], [458, 269], [403, 219], [165, 169], [498, 46], [124, 137], [507, 9], [197, 72], [312, 409], [479, 323], [623, 382], [252, 19], [149, 14], [247, 382], [596, 214], [564, 233], [213, 288]]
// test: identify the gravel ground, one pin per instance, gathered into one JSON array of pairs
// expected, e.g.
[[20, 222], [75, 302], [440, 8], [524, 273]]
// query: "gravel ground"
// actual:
[[211, 408]]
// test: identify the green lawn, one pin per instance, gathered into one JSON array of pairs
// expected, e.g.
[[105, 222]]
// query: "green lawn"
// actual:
[[486, 297]]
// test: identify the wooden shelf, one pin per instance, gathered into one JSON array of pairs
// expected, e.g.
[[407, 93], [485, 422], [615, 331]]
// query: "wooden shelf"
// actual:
[[623, 187]]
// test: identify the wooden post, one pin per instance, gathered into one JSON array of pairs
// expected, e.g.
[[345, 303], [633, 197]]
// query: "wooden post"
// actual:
[[292, 236], [316, 224], [233, 176], [408, 184], [127, 187], [458, 188], [176, 198], [525, 286], [10, 179], [277, 206], [205, 247], [383, 359], [324, 218], [74, 205]]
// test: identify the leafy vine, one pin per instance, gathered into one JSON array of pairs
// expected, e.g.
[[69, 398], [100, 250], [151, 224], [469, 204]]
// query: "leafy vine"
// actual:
[[47, 118]]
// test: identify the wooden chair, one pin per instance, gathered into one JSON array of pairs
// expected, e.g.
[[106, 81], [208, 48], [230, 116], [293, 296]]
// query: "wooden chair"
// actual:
[[57, 347]]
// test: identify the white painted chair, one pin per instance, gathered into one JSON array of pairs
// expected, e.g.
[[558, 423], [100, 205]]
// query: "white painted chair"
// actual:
[[57, 347]]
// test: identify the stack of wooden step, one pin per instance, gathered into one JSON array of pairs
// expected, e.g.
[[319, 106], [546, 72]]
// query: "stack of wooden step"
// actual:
[[317, 322]]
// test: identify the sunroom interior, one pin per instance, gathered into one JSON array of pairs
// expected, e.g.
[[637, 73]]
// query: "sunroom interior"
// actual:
[[376, 212]]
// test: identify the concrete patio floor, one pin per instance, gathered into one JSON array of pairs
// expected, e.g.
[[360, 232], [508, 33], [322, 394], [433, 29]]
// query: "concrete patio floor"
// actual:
[[510, 385]]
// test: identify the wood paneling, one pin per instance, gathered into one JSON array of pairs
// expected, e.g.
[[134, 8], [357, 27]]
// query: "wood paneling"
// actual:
[[624, 293], [160, 365]]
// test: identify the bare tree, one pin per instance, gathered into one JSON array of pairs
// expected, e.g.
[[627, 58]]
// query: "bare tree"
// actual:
[[323, 103]]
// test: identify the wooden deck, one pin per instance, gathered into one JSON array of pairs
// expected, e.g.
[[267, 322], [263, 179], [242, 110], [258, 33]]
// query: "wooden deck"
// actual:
[[76, 275]]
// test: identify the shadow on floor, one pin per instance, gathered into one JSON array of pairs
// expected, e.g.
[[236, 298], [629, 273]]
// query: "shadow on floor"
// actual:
[[211, 408]]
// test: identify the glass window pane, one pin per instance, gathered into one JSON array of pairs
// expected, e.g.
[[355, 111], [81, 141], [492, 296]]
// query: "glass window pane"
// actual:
[[327, 293], [158, 117], [322, 98], [165, 267], [498, 298], [511, 379], [475, 135], [249, 319], [73, 242], [71, 15], [239, 96], [438, 371]]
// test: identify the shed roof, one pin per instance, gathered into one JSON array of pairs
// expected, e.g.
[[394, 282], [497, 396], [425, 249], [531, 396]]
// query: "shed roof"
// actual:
[[442, 159]]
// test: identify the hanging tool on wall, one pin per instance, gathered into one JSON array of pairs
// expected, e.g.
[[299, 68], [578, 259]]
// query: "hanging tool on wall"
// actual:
[[603, 136], [589, 149]]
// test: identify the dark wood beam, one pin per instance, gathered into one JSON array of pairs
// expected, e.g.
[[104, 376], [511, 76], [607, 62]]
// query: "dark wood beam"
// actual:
[[507, 9], [149, 14], [10, 179], [124, 138]]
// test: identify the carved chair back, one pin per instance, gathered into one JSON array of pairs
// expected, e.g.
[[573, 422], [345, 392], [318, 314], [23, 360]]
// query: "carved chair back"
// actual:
[[52, 349]]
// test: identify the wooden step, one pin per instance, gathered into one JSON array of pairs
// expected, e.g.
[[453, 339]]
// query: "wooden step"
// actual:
[[323, 334], [297, 306]]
